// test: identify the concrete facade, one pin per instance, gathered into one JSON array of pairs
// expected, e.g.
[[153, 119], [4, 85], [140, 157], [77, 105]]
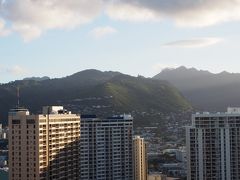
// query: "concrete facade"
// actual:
[[106, 148], [43, 147], [213, 146], [140, 163]]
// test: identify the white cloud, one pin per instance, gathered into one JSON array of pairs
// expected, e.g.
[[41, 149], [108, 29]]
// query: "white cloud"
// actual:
[[3, 30], [100, 32], [16, 70], [13, 70], [130, 13], [195, 13], [194, 43], [31, 18]]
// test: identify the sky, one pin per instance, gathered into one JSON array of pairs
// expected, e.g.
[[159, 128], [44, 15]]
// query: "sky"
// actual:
[[137, 37]]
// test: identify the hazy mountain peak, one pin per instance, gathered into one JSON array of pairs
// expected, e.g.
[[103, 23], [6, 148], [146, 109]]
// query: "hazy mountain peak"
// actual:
[[94, 72], [181, 72], [184, 69], [206, 90], [86, 72], [224, 73]]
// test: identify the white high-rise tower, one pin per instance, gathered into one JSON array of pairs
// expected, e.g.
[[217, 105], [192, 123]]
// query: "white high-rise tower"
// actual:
[[213, 146]]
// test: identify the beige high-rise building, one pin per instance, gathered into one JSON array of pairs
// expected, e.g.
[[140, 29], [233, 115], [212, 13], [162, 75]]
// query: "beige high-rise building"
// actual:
[[157, 177], [140, 163], [44, 147]]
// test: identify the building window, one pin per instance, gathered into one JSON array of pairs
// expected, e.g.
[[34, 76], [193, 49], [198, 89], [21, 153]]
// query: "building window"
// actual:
[[15, 121]]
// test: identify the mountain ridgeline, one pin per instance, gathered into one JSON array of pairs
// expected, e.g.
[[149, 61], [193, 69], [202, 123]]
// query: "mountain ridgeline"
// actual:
[[206, 91], [94, 92]]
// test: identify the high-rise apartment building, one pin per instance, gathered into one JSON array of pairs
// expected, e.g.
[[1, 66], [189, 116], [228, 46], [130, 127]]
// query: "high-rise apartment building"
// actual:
[[106, 148], [45, 146], [140, 158], [157, 177], [213, 146], [1, 131]]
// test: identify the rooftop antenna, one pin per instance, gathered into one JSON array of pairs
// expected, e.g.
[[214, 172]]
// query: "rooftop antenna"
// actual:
[[18, 97]]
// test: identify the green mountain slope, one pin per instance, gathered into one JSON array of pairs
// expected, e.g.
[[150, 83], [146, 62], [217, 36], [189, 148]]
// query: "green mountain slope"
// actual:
[[95, 92], [130, 93]]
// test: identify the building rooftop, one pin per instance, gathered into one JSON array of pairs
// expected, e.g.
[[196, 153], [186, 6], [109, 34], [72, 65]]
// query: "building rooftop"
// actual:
[[124, 116], [88, 116], [230, 111], [19, 110]]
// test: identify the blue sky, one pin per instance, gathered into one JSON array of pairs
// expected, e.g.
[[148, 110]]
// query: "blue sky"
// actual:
[[133, 37]]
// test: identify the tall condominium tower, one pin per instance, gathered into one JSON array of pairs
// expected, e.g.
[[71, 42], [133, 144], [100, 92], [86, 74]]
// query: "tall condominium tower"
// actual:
[[44, 147], [140, 158], [106, 148], [1, 131], [213, 146]]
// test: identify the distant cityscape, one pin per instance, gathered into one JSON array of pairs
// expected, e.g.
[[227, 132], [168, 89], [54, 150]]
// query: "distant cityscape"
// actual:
[[60, 145]]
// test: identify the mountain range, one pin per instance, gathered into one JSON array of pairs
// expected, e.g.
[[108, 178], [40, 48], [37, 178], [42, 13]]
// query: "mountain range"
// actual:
[[106, 93], [94, 92], [206, 91]]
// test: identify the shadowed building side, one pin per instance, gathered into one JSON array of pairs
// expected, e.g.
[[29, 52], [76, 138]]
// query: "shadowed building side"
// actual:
[[65, 164], [43, 147]]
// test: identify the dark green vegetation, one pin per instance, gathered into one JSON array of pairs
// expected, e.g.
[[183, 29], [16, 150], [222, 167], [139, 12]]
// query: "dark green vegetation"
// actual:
[[95, 92], [206, 91]]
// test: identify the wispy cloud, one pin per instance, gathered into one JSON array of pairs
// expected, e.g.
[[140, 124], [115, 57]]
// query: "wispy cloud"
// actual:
[[13, 70], [16, 70], [194, 43], [100, 32]]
